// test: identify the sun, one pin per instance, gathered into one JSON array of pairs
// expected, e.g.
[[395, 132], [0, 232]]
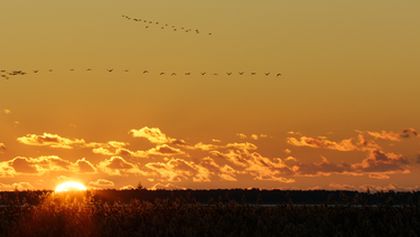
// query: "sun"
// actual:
[[70, 186]]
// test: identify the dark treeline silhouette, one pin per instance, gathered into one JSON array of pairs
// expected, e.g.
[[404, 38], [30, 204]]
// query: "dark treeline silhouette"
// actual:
[[193, 213], [239, 196]]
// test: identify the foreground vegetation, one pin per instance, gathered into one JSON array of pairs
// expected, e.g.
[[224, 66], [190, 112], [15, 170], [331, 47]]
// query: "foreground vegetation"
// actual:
[[113, 213]]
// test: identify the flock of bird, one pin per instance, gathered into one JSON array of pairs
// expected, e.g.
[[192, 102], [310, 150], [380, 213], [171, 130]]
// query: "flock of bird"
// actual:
[[164, 26], [7, 74]]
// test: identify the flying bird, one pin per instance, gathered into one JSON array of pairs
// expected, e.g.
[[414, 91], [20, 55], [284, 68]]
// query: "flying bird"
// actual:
[[267, 73], [241, 73], [203, 73], [145, 71], [278, 74], [110, 70]]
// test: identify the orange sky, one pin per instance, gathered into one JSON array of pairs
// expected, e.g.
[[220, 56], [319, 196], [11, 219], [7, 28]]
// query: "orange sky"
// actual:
[[343, 114]]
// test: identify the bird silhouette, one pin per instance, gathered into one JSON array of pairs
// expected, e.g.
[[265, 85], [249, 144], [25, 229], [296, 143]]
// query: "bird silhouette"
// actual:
[[173, 74], [203, 73], [253, 73], [145, 71], [162, 73], [88, 69], [35, 71], [278, 74], [241, 73], [267, 73], [188, 73], [110, 70], [229, 73]]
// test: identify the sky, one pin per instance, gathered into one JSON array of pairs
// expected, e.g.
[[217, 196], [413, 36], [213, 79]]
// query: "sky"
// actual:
[[344, 114]]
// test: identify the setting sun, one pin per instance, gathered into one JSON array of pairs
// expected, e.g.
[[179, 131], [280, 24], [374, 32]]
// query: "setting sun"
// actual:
[[70, 186]]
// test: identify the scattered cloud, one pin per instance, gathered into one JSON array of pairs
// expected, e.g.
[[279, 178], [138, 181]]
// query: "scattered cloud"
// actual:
[[50, 140], [118, 166], [7, 111], [153, 135], [16, 186], [254, 136], [322, 142], [101, 184]]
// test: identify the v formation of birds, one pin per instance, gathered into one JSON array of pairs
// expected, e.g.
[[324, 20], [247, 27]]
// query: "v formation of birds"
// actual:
[[165, 26], [7, 74]]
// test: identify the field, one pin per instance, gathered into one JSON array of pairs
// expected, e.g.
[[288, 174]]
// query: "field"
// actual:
[[209, 213]]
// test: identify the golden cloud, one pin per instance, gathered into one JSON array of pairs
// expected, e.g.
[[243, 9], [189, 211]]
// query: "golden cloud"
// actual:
[[118, 166], [102, 183], [153, 135]]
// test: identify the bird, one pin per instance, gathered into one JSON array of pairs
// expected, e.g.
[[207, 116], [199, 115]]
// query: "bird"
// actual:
[[88, 69], [278, 74], [229, 73], [110, 70], [173, 74], [145, 71], [162, 73], [267, 73], [241, 73], [203, 73], [210, 33], [253, 73], [187, 73], [35, 71]]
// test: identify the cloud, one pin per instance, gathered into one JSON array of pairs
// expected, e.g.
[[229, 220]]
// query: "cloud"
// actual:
[[84, 166], [118, 166], [7, 111], [167, 186], [393, 136], [101, 183], [50, 140], [385, 135], [153, 135], [251, 136], [177, 170], [245, 160], [380, 164], [323, 143], [127, 187], [16, 186]]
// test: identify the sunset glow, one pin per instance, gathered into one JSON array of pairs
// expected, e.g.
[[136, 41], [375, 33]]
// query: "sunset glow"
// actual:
[[70, 186]]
